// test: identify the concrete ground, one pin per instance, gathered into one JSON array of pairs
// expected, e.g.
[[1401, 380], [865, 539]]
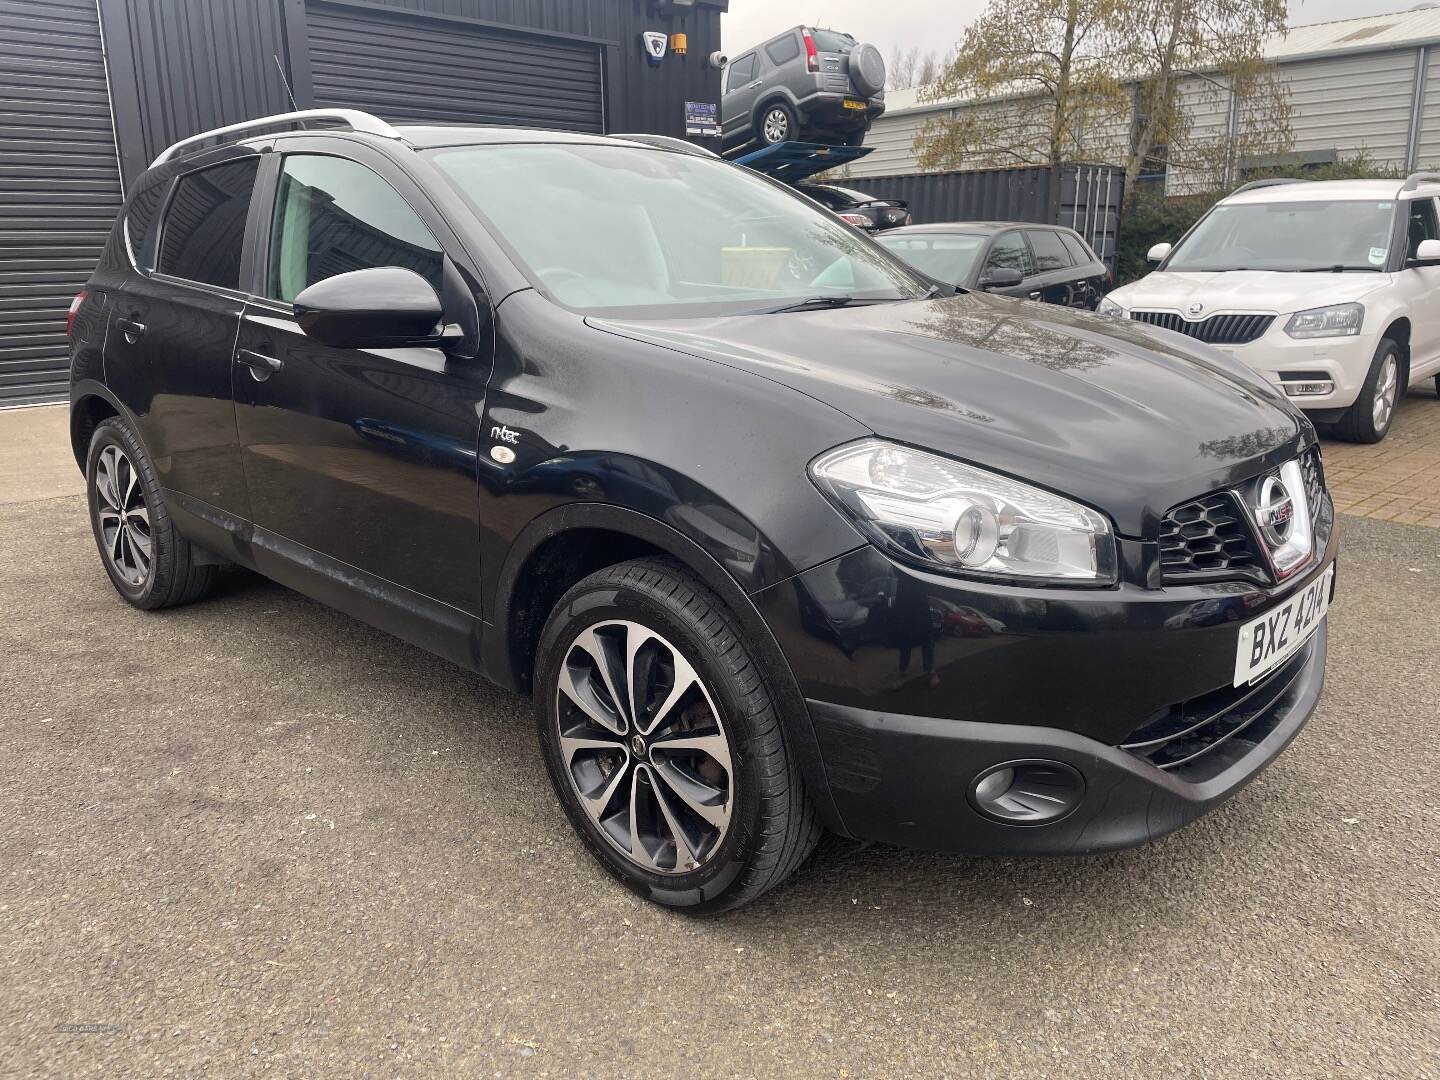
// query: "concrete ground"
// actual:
[[255, 837]]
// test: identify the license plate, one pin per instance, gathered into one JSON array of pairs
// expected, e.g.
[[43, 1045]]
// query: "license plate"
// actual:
[[851, 104], [1276, 636]]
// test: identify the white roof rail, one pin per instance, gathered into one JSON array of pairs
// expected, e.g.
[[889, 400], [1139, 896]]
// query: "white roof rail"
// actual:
[[1414, 180], [353, 118]]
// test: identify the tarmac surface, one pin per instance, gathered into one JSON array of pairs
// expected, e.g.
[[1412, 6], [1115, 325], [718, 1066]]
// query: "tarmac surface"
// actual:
[[253, 837]]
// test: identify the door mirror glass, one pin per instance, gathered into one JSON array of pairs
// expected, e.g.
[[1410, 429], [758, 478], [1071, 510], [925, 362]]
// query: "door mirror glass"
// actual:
[[1157, 254], [1001, 277], [1428, 253], [383, 307]]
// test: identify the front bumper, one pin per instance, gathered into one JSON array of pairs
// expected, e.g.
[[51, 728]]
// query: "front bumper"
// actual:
[[917, 684], [1343, 361]]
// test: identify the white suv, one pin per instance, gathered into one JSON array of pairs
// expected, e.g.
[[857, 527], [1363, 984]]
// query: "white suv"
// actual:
[[1329, 289]]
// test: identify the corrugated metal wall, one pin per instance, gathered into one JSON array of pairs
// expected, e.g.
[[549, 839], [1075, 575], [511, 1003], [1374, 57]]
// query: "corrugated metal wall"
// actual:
[[409, 69], [1085, 198], [59, 185]]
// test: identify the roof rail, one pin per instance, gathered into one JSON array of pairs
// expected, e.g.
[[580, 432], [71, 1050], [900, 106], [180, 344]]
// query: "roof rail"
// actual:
[[1272, 181], [1414, 180], [353, 118]]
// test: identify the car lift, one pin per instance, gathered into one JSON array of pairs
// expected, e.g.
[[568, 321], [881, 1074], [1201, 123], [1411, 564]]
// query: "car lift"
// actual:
[[791, 162]]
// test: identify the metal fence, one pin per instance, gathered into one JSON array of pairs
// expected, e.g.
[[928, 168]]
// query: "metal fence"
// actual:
[[1085, 198]]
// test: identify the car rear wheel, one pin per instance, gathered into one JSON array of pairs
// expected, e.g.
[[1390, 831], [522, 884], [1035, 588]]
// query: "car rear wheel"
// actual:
[[777, 123], [150, 564], [663, 742], [1369, 419]]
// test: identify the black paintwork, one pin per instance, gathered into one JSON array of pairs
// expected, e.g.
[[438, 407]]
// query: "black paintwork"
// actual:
[[882, 214], [369, 477]]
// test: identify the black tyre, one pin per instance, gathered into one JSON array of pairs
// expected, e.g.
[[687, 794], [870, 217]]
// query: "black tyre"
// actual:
[[663, 741], [150, 564], [1369, 419], [777, 124]]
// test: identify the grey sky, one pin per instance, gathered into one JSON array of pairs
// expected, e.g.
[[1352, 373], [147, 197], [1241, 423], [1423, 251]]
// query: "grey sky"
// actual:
[[938, 24]]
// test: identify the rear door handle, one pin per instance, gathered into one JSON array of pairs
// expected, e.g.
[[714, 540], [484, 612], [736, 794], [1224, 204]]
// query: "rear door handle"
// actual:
[[260, 365], [1034, 296], [130, 328]]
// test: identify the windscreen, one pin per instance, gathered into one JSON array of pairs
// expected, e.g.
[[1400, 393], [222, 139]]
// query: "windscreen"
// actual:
[[946, 257], [621, 230], [1351, 234]]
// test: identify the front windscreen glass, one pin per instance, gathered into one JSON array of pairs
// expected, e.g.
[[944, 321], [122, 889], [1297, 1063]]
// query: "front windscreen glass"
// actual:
[[1315, 234], [946, 257], [621, 230]]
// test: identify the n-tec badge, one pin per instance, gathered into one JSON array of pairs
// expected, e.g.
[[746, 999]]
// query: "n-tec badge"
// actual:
[[1196, 308], [1275, 511]]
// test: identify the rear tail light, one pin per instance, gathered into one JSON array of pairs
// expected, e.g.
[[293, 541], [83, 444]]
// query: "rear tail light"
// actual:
[[857, 220], [812, 56], [70, 315]]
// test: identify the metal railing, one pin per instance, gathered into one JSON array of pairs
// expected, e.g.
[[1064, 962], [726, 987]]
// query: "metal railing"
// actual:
[[354, 119]]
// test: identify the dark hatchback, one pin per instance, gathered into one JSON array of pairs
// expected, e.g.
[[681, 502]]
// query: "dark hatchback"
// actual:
[[859, 209], [1049, 263], [778, 534]]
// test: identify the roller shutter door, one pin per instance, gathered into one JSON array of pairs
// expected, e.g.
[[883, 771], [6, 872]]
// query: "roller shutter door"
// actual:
[[59, 185], [409, 70]]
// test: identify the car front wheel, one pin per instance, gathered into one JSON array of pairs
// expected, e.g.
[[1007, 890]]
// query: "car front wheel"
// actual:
[[1369, 419], [663, 741]]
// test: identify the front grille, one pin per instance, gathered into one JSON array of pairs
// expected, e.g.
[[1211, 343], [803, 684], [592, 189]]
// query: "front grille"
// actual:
[[1208, 537], [1198, 739], [1322, 511], [1216, 330]]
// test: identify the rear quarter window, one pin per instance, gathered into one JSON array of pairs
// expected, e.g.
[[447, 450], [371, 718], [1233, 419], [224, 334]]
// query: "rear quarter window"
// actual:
[[1050, 253], [1079, 250], [784, 50], [140, 219]]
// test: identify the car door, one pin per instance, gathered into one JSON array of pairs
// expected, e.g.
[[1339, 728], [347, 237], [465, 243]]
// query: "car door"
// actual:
[[1420, 287], [172, 336], [1089, 273], [1008, 251], [358, 459], [1055, 279], [737, 105]]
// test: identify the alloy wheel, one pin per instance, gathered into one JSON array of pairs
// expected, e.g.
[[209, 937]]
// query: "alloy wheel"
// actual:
[[777, 126], [122, 517], [644, 747], [1386, 390]]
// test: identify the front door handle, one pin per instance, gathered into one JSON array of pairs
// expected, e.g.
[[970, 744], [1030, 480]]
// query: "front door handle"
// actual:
[[260, 365], [1034, 296], [130, 328]]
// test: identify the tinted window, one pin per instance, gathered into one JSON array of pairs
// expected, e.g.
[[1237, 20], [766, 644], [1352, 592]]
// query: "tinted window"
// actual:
[[1010, 253], [831, 42], [827, 196], [741, 72], [784, 50], [141, 216], [333, 216], [204, 228], [1422, 225], [1080, 252], [1050, 254]]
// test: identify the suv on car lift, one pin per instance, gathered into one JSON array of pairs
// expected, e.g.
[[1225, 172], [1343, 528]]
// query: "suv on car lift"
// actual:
[[779, 534], [807, 83], [1328, 289]]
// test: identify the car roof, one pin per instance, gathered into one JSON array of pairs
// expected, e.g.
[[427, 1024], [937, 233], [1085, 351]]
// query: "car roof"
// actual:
[[1323, 190]]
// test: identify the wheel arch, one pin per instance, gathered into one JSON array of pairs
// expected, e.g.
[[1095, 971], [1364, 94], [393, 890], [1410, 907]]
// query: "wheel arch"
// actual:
[[91, 404], [1398, 331], [561, 547], [781, 96]]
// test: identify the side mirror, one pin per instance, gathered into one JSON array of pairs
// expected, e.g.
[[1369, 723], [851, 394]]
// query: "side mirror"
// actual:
[[1427, 254], [1001, 277], [384, 307], [1157, 254]]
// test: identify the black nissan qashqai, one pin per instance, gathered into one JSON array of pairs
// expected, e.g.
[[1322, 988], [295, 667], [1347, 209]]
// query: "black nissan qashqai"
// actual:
[[780, 536]]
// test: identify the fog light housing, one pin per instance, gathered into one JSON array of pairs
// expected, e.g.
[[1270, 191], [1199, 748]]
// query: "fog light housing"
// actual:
[[1030, 792], [1311, 388]]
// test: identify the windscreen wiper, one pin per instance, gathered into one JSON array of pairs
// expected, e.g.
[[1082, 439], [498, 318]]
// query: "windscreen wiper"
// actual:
[[1338, 268], [818, 302]]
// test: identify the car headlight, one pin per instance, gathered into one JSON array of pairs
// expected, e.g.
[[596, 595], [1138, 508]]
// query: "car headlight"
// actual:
[[961, 519], [1339, 320], [1109, 307]]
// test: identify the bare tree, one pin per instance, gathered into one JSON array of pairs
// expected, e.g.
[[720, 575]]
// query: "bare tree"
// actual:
[[901, 69], [1043, 67]]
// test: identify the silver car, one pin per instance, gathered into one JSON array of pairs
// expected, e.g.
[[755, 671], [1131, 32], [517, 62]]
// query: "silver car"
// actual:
[[809, 84]]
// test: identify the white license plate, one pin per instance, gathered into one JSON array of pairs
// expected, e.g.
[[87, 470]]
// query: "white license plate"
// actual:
[[1275, 636]]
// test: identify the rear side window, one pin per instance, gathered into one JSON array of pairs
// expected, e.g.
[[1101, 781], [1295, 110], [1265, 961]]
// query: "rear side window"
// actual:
[[1080, 252], [1423, 226], [784, 50], [741, 72], [204, 227], [333, 216], [1050, 254], [1010, 253], [140, 218]]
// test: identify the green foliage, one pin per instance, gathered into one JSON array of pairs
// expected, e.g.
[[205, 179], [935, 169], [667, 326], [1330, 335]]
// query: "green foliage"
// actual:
[[1152, 218]]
